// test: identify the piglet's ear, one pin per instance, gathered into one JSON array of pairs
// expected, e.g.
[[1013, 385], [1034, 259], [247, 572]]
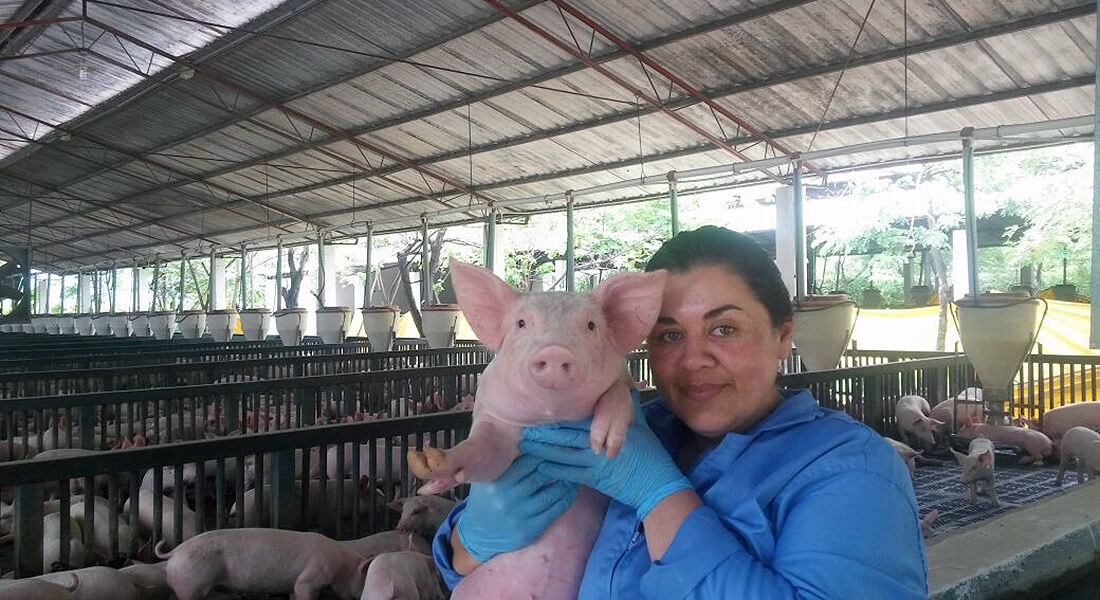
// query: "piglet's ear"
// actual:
[[630, 303], [484, 299]]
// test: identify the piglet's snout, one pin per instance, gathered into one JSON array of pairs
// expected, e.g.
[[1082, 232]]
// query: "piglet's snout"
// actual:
[[553, 367]]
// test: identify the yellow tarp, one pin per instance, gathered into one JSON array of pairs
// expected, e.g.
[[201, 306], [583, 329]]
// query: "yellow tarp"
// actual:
[[406, 328]]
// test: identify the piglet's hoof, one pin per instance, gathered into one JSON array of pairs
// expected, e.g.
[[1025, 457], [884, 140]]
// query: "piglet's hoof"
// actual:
[[424, 463]]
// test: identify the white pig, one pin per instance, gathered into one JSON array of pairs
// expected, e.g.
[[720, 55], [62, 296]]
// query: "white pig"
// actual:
[[388, 541], [51, 542], [560, 358], [168, 510], [402, 576], [961, 407], [1057, 421], [1083, 445], [35, 589], [95, 583], [270, 561], [421, 514], [1032, 441], [914, 425], [906, 454], [978, 468]]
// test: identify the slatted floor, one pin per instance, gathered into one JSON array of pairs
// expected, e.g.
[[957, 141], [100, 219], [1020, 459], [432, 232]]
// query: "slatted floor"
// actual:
[[939, 488]]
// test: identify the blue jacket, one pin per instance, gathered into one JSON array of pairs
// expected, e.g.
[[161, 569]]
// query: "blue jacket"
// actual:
[[807, 504]]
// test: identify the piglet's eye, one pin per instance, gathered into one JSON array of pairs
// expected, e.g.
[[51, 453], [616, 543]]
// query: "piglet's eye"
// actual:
[[521, 324], [591, 326]]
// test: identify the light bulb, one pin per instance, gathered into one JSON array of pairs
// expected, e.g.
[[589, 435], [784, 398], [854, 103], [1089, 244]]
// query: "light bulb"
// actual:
[[82, 72]]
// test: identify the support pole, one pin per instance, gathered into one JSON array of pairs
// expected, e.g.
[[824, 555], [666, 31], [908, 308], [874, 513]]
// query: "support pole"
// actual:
[[321, 275], [1094, 306], [210, 288], [425, 263], [98, 292], [490, 237], [183, 271], [134, 306], [673, 208], [799, 233], [114, 286], [971, 223], [156, 283], [48, 279], [80, 280], [570, 275], [367, 273], [242, 283], [61, 294], [279, 273]]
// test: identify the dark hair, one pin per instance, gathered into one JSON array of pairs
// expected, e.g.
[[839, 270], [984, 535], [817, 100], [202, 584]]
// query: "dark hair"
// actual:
[[712, 245]]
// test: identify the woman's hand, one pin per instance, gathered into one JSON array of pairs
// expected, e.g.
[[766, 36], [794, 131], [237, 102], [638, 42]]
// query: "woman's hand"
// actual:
[[512, 511], [640, 476]]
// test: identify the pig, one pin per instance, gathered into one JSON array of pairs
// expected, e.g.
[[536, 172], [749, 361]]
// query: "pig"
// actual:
[[914, 425], [559, 358], [1083, 445], [381, 471], [76, 484], [17, 451], [94, 583], [466, 403], [150, 578], [402, 576], [168, 507], [1037, 445], [272, 561], [952, 408], [1057, 421], [421, 514], [350, 489], [36, 589], [906, 454], [926, 521], [388, 541], [51, 543], [101, 535], [978, 468]]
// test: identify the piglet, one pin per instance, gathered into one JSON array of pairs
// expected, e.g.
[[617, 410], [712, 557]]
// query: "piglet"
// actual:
[[926, 521], [977, 469], [966, 405], [93, 583], [402, 576], [147, 512], [272, 561], [388, 541], [1083, 445], [907, 454], [51, 542], [1037, 445], [1057, 421], [559, 358], [915, 426], [421, 514], [36, 589]]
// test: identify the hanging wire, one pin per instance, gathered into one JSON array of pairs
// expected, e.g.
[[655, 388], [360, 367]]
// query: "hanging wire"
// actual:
[[847, 61]]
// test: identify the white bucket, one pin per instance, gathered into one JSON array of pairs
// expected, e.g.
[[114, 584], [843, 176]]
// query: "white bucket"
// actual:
[[255, 322], [378, 323], [440, 322], [997, 332], [120, 325], [221, 324], [51, 324], [162, 324], [139, 324], [83, 324], [38, 324], [192, 323], [822, 327], [101, 324], [66, 324], [28, 328], [291, 325], [333, 323]]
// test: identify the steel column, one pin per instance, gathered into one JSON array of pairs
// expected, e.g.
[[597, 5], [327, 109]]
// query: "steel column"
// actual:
[[279, 273], [321, 268], [425, 263], [1094, 306], [570, 275], [799, 233], [673, 209], [241, 283], [490, 237], [156, 284], [209, 288], [134, 305], [971, 223], [61, 296], [79, 291], [367, 272], [183, 271], [114, 286], [48, 279]]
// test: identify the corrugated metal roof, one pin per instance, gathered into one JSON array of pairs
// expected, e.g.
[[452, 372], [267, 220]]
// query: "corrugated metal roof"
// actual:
[[185, 135]]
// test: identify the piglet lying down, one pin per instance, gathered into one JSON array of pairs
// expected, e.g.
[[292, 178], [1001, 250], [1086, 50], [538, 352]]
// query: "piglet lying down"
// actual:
[[560, 358]]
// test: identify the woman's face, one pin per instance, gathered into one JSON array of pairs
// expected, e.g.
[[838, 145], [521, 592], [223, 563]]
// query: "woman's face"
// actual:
[[714, 351]]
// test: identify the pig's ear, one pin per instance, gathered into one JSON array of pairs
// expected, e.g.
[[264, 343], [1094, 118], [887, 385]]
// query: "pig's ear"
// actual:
[[485, 299], [962, 458], [630, 303], [361, 569]]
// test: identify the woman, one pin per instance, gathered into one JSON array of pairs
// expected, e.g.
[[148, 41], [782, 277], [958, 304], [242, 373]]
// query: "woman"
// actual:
[[729, 487]]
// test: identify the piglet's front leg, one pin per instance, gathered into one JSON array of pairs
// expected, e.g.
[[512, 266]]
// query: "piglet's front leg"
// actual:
[[612, 416], [484, 456]]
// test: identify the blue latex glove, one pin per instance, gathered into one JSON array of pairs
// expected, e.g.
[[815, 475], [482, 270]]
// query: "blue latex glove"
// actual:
[[509, 513], [640, 476]]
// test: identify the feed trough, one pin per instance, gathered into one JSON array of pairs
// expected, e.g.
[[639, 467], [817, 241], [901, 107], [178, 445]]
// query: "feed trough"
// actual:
[[291, 325], [221, 323], [379, 323], [822, 327], [254, 323], [440, 321], [333, 323]]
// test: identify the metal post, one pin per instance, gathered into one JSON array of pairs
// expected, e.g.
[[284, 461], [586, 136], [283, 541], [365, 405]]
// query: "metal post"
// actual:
[[48, 279], [1094, 307], [80, 291], [241, 283], [971, 224], [114, 286], [321, 268], [156, 283], [366, 275], [490, 237], [570, 275], [34, 294], [134, 296], [799, 233], [425, 263], [183, 270], [98, 292], [210, 288], [673, 209], [61, 295], [279, 273]]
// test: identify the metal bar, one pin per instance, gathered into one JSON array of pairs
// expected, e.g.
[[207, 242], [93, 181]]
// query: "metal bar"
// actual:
[[673, 209], [279, 273], [425, 264], [242, 282], [183, 288], [971, 220], [570, 257], [210, 287], [1094, 281], [367, 271], [490, 238], [36, 22], [321, 268], [799, 233], [114, 286]]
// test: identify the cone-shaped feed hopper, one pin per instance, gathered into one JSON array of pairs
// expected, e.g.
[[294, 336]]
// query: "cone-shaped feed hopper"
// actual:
[[378, 323], [440, 321], [139, 324], [221, 323], [162, 324], [192, 323], [997, 331], [822, 327], [291, 325], [254, 323], [333, 323]]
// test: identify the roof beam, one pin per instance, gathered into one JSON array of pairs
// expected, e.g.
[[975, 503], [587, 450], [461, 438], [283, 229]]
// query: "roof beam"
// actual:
[[911, 111], [825, 69]]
